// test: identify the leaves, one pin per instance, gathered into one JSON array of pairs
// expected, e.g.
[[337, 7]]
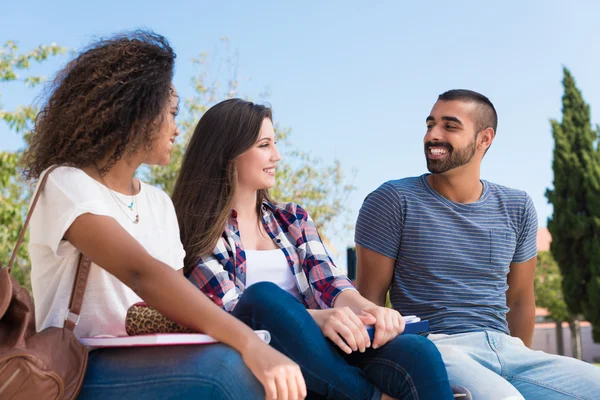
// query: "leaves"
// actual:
[[548, 288], [575, 222], [319, 188], [11, 61], [14, 191]]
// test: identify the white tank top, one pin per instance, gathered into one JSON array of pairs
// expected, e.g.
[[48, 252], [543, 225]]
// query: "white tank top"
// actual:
[[270, 266]]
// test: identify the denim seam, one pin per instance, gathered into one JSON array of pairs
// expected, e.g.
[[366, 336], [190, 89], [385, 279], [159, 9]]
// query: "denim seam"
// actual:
[[147, 381], [545, 386], [258, 323], [492, 344], [398, 368]]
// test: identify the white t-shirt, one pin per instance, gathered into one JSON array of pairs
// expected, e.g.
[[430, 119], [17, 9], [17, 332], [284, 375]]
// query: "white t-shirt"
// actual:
[[270, 266], [69, 193]]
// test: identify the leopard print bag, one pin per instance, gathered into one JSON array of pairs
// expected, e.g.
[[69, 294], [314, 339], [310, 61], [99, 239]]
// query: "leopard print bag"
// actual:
[[144, 320]]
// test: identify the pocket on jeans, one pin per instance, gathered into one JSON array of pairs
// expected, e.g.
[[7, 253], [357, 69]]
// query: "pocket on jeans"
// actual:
[[502, 246]]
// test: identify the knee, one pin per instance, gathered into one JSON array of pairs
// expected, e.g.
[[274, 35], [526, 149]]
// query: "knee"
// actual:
[[261, 291], [225, 358], [267, 294], [422, 345], [420, 350], [229, 360]]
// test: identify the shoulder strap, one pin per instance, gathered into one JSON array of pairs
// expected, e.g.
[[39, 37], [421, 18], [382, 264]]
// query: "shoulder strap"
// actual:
[[83, 267], [26, 224], [81, 277]]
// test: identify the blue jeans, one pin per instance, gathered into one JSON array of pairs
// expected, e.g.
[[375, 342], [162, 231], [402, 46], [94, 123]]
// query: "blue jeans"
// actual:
[[495, 366], [173, 372], [409, 367]]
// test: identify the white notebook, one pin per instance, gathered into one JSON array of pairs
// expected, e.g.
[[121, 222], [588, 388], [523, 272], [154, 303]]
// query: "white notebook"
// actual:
[[159, 339]]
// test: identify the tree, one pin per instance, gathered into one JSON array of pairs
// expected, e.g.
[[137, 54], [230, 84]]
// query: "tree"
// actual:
[[549, 295], [575, 222], [14, 192], [320, 188]]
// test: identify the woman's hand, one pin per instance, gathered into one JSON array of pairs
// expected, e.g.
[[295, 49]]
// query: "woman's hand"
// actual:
[[344, 328], [280, 376], [388, 323]]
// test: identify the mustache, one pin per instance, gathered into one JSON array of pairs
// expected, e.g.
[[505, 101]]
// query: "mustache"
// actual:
[[445, 145]]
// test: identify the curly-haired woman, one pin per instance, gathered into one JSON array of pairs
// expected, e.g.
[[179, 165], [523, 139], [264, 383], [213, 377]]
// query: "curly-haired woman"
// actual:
[[109, 111]]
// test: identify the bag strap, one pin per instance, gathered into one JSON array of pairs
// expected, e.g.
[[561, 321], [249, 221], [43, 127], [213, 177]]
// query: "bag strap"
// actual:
[[26, 224], [81, 277], [83, 266]]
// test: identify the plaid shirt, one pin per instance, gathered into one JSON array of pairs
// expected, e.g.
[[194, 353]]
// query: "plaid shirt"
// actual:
[[222, 274]]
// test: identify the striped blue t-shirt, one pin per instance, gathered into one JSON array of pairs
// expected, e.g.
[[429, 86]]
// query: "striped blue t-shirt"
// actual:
[[452, 259]]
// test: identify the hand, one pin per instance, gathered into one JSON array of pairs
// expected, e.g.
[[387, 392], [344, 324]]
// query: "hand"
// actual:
[[388, 324], [344, 328], [280, 376]]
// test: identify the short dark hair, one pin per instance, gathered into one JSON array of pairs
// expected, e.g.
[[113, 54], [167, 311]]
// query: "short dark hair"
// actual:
[[486, 116], [104, 103]]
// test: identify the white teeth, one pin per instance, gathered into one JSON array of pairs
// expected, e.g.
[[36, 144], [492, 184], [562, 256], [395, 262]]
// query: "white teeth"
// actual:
[[269, 170], [437, 151]]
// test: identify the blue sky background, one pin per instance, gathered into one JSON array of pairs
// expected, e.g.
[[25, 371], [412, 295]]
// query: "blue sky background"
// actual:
[[355, 80]]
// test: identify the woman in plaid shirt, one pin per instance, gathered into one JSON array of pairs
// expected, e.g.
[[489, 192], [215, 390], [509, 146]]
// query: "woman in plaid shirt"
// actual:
[[266, 264]]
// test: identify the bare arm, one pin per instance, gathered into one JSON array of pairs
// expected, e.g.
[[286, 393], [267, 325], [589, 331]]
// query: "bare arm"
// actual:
[[374, 274], [353, 300], [520, 299], [112, 248], [108, 245]]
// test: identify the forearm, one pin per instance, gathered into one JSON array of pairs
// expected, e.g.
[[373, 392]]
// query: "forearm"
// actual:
[[175, 297], [353, 300], [372, 293], [521, 321], [113, 249]]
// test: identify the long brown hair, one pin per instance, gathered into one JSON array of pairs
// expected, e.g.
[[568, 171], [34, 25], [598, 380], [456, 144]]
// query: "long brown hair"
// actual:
[[104, 104], [203, 193]]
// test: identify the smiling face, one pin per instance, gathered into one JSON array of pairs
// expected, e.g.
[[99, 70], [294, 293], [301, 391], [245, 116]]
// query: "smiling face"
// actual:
[[256, 166], [451, 140], [160, 153]]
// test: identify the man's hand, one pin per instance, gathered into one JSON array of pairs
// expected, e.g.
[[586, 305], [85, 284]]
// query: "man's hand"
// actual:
[[344, 328], [388, 323]]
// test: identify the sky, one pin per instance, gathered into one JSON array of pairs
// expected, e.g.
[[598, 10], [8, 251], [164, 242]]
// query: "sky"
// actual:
[[356, 80]]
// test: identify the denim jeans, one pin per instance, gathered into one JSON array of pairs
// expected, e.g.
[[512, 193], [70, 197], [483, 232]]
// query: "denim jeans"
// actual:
[[172, 372], [409, 367], [495, 366]]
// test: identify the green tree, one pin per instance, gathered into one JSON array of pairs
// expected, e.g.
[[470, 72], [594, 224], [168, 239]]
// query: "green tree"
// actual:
[[14, 192], [575, 222], [548, 288], [549, 295], [320, 188]]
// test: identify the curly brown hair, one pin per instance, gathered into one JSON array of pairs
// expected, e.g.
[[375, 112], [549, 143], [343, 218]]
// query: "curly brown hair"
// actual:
[[104, 104]]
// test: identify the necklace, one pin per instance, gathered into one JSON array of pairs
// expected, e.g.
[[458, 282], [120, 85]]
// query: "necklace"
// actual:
[[129, 206]]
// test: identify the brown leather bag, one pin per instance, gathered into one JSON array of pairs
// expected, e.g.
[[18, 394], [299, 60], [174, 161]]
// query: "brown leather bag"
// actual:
[[50, 364]]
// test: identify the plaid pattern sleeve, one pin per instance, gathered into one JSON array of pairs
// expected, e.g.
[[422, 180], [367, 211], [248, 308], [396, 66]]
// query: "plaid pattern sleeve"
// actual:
[[213, 275], [326, 279]]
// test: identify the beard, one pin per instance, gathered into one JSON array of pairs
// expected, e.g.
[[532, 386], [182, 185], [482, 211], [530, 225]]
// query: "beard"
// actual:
[[454, 159]]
